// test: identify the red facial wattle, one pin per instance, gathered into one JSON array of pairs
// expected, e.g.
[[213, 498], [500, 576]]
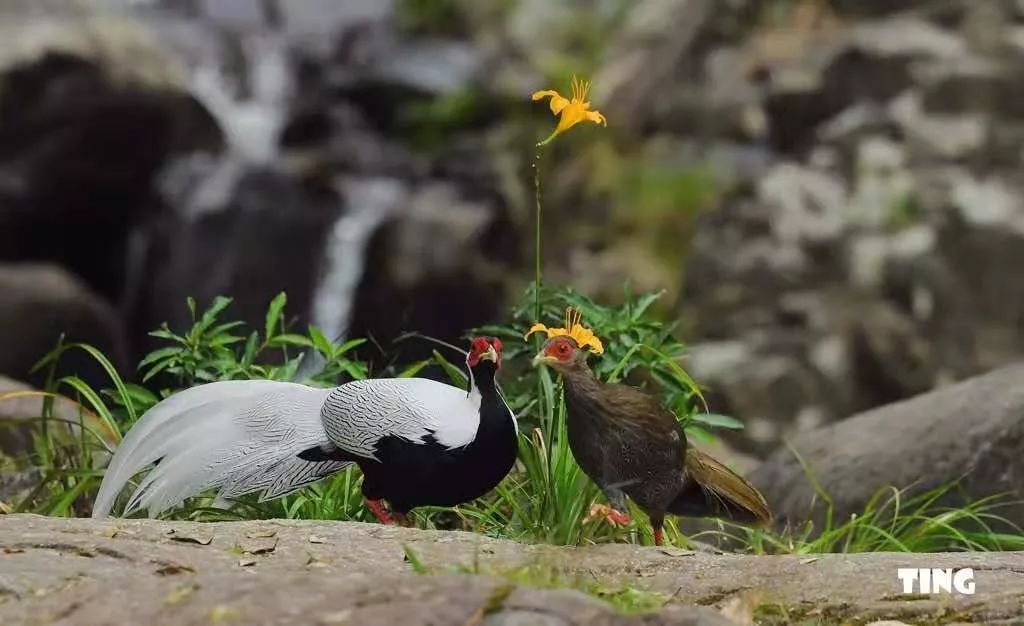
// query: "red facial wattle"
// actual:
[[479, 346], [560, 349]]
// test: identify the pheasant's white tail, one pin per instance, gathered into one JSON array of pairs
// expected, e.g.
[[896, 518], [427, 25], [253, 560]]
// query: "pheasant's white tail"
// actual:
[[239, 437]]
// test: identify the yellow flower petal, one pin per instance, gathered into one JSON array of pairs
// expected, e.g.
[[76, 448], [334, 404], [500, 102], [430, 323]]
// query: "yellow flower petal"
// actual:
[[583, 336], [596, 117], [536, 328], [557, 101]]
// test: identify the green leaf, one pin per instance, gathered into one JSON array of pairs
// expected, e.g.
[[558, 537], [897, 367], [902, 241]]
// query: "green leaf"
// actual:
[[321, 343], [191, 303], [96, 403], [699, 434], [348, 345], [288, 371], [643, 303], [355, 370], [250, 349], [274, 314], [204, 375], [454, 373], [223, 328], [140, 396], [156, 369], [159, 355], [210, 315], [715, 420], [165, 333], [414, 369], [225, 340], [289, 339]]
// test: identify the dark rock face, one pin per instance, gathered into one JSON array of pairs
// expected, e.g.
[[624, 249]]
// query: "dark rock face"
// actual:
[[271, 239], [78, 158], [39, 303], [433, 268], [973, 429]]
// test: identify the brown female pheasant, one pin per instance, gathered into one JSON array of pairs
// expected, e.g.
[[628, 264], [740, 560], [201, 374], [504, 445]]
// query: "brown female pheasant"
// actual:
[[630, 445]]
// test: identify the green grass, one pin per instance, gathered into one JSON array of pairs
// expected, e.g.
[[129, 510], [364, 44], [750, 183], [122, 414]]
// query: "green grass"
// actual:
[[546, 496], [892, 521]]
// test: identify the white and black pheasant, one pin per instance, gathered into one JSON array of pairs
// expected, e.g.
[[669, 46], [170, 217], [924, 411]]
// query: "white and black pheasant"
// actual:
[[418, 441]]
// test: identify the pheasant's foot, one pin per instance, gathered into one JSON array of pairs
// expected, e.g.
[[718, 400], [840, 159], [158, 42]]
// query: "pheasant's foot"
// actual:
[[379, 511], [603, 511]]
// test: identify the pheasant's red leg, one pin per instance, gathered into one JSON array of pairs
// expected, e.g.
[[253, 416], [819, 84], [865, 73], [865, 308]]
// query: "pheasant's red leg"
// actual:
[[657, 536], [378, 510]]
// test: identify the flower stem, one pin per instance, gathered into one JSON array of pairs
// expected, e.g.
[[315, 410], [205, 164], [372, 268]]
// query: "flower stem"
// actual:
[[536, 251]]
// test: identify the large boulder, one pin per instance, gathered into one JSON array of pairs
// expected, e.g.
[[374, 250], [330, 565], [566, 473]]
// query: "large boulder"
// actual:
[[324, 573], [972, 430], [89, 113], [41, 303]]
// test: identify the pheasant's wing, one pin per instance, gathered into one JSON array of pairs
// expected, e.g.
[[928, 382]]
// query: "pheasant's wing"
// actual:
[[357, 415]]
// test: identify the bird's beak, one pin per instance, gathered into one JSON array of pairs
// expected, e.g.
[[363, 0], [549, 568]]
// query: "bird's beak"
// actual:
[[543, 359], [491, 355]]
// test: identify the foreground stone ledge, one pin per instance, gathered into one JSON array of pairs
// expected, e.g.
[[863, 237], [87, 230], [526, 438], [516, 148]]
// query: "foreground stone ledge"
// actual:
[[80, 571]]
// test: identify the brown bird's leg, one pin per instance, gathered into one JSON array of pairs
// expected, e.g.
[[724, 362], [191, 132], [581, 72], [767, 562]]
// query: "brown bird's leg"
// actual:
[[401, 519], [605, 512], [615, 514], [378, 510], [657, 523]]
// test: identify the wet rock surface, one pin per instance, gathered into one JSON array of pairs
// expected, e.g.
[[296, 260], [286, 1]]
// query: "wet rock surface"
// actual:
[[67, 571]]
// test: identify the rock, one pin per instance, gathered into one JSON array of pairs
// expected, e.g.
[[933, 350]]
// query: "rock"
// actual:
[[806, 205], [875, 8], [71, 113], [972, 429], [655, 40], [940, 135], [434, 268], [42, 302], [325, 18], [270, 238], [360, 576]]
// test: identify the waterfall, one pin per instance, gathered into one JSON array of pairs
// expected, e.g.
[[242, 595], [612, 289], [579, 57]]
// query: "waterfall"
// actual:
[[369, 203]]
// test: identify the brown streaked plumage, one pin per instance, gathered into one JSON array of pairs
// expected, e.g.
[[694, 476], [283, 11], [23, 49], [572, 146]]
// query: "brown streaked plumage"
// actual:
[[630, 445]]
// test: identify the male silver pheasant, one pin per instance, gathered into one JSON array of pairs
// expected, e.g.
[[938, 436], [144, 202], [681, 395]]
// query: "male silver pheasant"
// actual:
[[418, 441]]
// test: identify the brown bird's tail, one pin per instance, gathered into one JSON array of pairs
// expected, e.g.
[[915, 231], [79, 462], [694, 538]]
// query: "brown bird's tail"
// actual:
[[711, 489]]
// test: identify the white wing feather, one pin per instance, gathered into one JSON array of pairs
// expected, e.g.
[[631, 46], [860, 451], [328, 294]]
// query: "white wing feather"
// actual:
[[237, 436], [358, 414]]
